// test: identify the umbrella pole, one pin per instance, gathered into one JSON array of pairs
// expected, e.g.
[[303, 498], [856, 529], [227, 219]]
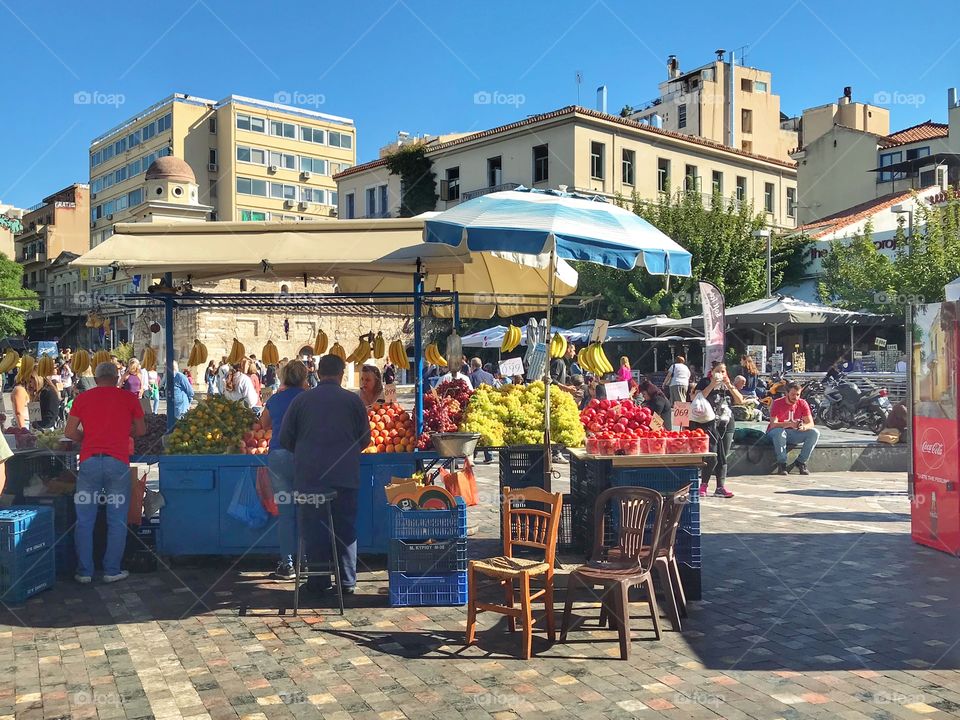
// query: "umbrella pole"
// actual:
[[547, 450]]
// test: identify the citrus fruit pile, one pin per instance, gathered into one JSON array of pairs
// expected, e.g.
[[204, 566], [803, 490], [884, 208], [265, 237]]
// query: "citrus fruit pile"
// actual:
[[214, 427]]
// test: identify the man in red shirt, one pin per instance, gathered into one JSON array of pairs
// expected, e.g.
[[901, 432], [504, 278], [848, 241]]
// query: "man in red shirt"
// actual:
[[791, 422], [102, 420]]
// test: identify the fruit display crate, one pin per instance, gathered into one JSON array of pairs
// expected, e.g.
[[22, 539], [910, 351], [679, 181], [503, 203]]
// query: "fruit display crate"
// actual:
[[522, 466], [27, 563], [428, 590], [18, 584], [428, 524], [427, 558]]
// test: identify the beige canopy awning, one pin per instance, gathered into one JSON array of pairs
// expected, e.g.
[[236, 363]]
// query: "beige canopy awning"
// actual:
[[361, 256], [219, 250]]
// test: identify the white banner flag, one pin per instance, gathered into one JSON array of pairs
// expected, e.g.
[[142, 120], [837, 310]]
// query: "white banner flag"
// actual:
[[713, 322]]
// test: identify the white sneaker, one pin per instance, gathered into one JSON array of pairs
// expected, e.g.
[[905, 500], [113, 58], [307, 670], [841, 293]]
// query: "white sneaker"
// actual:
[[122, 575], [82, 579]]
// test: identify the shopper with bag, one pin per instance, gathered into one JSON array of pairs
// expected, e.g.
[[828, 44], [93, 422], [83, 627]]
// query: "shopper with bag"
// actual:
[[677, 379], [711, 411]]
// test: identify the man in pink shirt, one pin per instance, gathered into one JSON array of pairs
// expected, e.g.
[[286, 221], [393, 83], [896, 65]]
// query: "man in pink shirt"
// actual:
[[791, 423]]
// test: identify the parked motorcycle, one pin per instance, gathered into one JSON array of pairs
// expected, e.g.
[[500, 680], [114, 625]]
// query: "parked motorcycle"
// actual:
[[844, 404]]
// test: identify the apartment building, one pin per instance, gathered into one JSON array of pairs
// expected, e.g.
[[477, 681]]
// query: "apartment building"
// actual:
[[588, 151], [727, 103], [253, 160], [848, 156], [56, 224]]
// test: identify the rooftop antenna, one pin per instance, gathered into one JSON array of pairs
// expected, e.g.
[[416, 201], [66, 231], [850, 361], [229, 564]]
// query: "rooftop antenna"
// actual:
[[742, 52], [579, 81]]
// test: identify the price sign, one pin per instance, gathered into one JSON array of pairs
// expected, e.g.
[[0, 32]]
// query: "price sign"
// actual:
[[599, 332], [880, 342], [33, 412], [511, 367], [389, 393], [681, 415], [617, 390], [656, 422]]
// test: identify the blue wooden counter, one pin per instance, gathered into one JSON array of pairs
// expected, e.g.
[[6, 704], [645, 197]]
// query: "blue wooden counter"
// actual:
[[197, 490]]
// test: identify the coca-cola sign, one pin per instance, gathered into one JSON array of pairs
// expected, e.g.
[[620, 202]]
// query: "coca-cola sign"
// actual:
[[932, 447]]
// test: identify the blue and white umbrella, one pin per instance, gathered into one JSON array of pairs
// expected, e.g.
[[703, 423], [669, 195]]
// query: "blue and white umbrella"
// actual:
[[579, 227], [566, 225]]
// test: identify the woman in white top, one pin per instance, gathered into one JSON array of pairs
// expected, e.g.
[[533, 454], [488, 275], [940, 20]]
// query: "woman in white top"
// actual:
[[239, 386], [677, 380]]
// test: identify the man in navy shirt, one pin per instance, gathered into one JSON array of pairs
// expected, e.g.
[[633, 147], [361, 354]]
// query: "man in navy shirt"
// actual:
[[326, 429]]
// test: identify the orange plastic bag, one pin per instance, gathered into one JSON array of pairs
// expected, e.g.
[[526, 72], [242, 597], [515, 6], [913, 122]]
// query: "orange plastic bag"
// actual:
[[265, 491], [462, 483]]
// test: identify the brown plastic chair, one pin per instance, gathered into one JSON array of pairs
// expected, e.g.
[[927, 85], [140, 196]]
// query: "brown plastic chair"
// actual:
[[523, 526], [629, 564], [665, 565]]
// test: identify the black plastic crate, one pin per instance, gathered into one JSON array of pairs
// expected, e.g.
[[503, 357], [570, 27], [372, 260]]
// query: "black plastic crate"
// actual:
[[64, 511], [691, 579], [44, 464], [428, 558], [522, 466]]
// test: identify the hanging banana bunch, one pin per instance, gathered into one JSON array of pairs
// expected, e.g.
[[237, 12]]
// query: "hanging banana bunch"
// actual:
[[27, 364], [149, 361], [320, 344], [558, 346], [80, 362], [9, 361], [338, 350], [596, 359], [511, 338], [379, 346], [361, 353], [100, 356], [433, 356], [198, 354], [237, 352], [398, 355], [46, 366], [270, 355]]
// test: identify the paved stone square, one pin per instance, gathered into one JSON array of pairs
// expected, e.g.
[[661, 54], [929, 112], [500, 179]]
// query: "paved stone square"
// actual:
[[816, 605]]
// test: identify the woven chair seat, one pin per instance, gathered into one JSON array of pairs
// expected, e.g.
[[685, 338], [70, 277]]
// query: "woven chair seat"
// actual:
[[510, 567]]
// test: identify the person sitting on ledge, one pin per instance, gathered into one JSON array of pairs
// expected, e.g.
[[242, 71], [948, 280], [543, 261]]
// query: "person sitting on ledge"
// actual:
[[791, 422]]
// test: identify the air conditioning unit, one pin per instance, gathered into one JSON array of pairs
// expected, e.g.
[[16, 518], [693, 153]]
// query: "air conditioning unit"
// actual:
[[302, 205], [213, 167], [93, 223], [93, 196], [272, 169], [109, 217], [288, 203], [306, 174]]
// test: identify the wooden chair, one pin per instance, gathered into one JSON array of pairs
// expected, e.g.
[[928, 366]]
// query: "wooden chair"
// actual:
[[618, 569], [523, 526]]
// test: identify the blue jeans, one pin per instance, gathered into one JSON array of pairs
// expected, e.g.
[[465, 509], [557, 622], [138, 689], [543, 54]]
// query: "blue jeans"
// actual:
[[155, 402], [316, 536], [280, 464], [102, 480], [781, 437]]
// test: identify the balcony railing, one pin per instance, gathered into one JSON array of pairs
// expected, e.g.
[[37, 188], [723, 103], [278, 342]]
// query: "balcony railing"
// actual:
[[487, 190]]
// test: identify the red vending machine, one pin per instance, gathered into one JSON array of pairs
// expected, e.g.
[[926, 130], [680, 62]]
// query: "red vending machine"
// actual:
[[935, 502]]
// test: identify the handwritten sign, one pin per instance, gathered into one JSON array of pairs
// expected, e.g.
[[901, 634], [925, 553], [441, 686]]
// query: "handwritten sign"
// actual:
[[599, 332], [617, 390], [681, 415], [390, 393], [511, 367], [656, 422], [880, 342]]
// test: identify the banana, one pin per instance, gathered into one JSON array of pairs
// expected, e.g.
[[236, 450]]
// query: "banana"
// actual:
[[338, 350], [237, 352], [378, 346], [80, 362], [433, 356], [398, 355], [270, 354], [361, 353], [46, 366], [601, 359], [558, 346], [149, 361], [27, 364], [9, 361], [511, 338], [321, 343], [198, 354], [100, 356]]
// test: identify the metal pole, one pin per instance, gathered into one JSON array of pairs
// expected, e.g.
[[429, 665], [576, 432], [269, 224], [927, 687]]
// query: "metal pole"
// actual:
[[769, 273], [547, 450], [418, 346], [456, 311], [168, 341]]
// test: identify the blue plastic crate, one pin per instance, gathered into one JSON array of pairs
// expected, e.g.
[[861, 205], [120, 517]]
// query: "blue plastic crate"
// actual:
[[64, 511], [428, 558], [428, 590], [19, 583], [428, 524], [26, 529]]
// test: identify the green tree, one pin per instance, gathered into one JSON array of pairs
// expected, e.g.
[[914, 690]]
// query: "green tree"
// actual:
[[417, 179], [857, 276], [719, 236], [13, 293]]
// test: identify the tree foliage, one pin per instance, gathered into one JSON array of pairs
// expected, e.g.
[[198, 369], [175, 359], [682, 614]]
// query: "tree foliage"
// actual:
[[719, 236], [857, 276], [418, 184], [11, 286]]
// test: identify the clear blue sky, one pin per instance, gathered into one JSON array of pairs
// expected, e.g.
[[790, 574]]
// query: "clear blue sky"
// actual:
[[416, 65]]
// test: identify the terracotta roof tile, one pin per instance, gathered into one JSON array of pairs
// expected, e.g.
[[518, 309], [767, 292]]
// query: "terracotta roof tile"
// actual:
[[852, 215], [576, 110], [928, 130]]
